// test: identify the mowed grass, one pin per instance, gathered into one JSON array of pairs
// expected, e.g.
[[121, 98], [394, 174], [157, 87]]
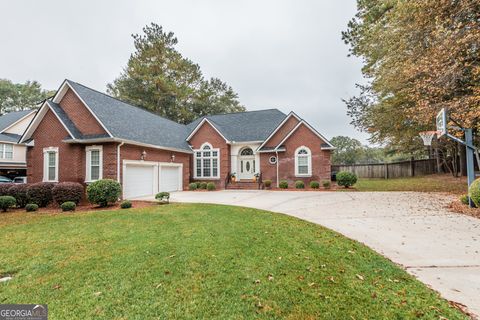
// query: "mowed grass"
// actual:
[[201, 262], [432, 183]]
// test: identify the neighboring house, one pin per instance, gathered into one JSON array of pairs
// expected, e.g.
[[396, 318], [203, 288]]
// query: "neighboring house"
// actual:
[[83, 135], [12, 154]]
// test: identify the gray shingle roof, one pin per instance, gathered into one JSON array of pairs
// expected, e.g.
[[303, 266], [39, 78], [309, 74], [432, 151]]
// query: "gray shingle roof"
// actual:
[[125, 121], [65, 119], [245, 126], [9, 137], [9, 118]]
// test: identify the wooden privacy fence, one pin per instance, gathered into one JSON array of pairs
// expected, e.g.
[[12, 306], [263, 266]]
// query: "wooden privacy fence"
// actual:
[[401, 169]]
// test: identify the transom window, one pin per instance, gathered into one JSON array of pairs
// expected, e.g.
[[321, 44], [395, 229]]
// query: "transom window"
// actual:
[[247, 152], [6, 151], [50, 164], [94, 161], [303, 162], [206, 162]]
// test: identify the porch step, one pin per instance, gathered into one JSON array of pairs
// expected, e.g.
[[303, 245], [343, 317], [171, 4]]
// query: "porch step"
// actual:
[[242, 185]]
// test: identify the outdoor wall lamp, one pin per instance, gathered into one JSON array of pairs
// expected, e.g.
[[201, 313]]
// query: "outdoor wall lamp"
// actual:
[[143, 155], [172, 157]]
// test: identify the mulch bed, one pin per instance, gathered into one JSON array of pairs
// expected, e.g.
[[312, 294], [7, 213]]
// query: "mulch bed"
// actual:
[[87, 207], [458, 207]]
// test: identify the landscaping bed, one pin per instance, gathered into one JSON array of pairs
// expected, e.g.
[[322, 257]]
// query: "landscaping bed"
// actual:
[[204, 262]]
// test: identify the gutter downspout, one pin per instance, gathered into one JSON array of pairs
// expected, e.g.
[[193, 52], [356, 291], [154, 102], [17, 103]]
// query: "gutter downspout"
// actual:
[[278, 181], [118, 161]]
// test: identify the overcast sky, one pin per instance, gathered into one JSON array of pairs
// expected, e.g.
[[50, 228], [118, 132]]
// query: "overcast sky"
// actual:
[[275, 54]]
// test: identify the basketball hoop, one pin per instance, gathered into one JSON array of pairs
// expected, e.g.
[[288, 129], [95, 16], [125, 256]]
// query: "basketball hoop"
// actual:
[[427, 137]]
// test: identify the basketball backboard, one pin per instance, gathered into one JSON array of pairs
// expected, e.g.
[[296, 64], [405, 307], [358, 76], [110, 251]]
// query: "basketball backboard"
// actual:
[[441, 123]]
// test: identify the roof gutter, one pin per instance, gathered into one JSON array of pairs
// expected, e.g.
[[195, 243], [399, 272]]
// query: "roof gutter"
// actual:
[[125, 141]]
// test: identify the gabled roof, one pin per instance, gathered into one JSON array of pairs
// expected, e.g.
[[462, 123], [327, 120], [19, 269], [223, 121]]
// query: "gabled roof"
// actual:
[[63, 117], [131, 123], [9, 119], [326, 145], [242, 126]]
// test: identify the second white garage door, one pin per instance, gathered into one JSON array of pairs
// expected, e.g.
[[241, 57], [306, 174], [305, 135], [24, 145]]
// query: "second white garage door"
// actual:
[[170, 178], [139, 181]]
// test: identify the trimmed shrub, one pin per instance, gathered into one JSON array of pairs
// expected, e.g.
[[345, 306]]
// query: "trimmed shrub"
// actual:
[[346, 179], [326, 184], [7, 202], [30, 207], [203, 185], [163, 197], [283, 184], [4, 187], [126, 204], [464, 199], [474, 192], [198, 183], [192, 186], [211, 186], [267, 183], [314, 184], [68, 206], [67, 191], [40, 193], [103, 192], [19, 192], [299, 184]]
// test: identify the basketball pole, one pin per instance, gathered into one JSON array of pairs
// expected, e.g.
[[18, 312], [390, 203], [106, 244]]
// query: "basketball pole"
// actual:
[[470, 160]]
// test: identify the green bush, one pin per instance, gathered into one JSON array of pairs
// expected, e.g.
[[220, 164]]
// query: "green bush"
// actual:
[[203, 185], [211, 186], [267, 183], [103, 192], [283, 184], [126, 204], [40, 193], [19, 192], [346, 179], [299, 184], [68, 206], [314, 184], [4, 188], [7, 202], [464, 199], [192, 186], [67, 191], [198, 183], [326, 184], [474, 192], [30, 207]]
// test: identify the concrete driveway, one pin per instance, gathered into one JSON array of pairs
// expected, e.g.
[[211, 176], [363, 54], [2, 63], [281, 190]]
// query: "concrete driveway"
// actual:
[[440, 248]]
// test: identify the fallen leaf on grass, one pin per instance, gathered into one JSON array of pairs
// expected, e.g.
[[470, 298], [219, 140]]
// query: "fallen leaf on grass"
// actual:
[[360, 277], [158, 285], [56, 286], [257, 281], [311, 284], [96, 294], [332, 279], [270, 277], [170, 257]]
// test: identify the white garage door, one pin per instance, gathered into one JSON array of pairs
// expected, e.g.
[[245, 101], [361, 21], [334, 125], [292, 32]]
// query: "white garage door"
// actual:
[[139, 181], [170, 178]]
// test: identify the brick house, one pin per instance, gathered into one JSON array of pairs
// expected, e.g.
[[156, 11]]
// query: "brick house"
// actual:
[[83, 135]]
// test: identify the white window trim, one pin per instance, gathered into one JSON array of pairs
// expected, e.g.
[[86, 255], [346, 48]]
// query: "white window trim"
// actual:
[[88, 159], [195, 176], [2, 155], [309, 162], [46, 151], [270, 160]]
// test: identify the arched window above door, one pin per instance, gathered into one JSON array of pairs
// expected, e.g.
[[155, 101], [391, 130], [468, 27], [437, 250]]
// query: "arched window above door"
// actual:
[[247, 152]]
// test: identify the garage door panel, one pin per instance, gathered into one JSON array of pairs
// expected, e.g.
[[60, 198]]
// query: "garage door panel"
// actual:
[[139, 181], [170, 178]]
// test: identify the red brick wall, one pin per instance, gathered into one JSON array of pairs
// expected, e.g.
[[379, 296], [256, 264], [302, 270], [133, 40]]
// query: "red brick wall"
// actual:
[[282, 132], [80, 115], [133, 152], [207, 133], [321, 159]]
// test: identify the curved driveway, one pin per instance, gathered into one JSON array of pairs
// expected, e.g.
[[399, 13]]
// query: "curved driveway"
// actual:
[[440, 248]]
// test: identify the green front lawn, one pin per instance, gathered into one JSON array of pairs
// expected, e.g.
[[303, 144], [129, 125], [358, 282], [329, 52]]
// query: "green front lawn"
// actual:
[[201, 262], [432, 183]]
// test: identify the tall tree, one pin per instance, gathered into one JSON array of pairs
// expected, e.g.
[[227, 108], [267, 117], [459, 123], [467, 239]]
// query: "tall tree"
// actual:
[[21, 96], [419, 56], [158, 78]]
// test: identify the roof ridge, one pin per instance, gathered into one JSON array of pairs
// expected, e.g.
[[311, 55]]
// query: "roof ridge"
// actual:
[[237, 112], [127, 103]]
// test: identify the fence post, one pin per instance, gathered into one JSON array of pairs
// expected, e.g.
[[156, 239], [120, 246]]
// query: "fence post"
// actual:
[[412, 167], [386, 170]]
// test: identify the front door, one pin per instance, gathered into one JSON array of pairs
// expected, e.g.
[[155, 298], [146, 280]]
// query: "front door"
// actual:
[[246, 164], [247, 169]]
